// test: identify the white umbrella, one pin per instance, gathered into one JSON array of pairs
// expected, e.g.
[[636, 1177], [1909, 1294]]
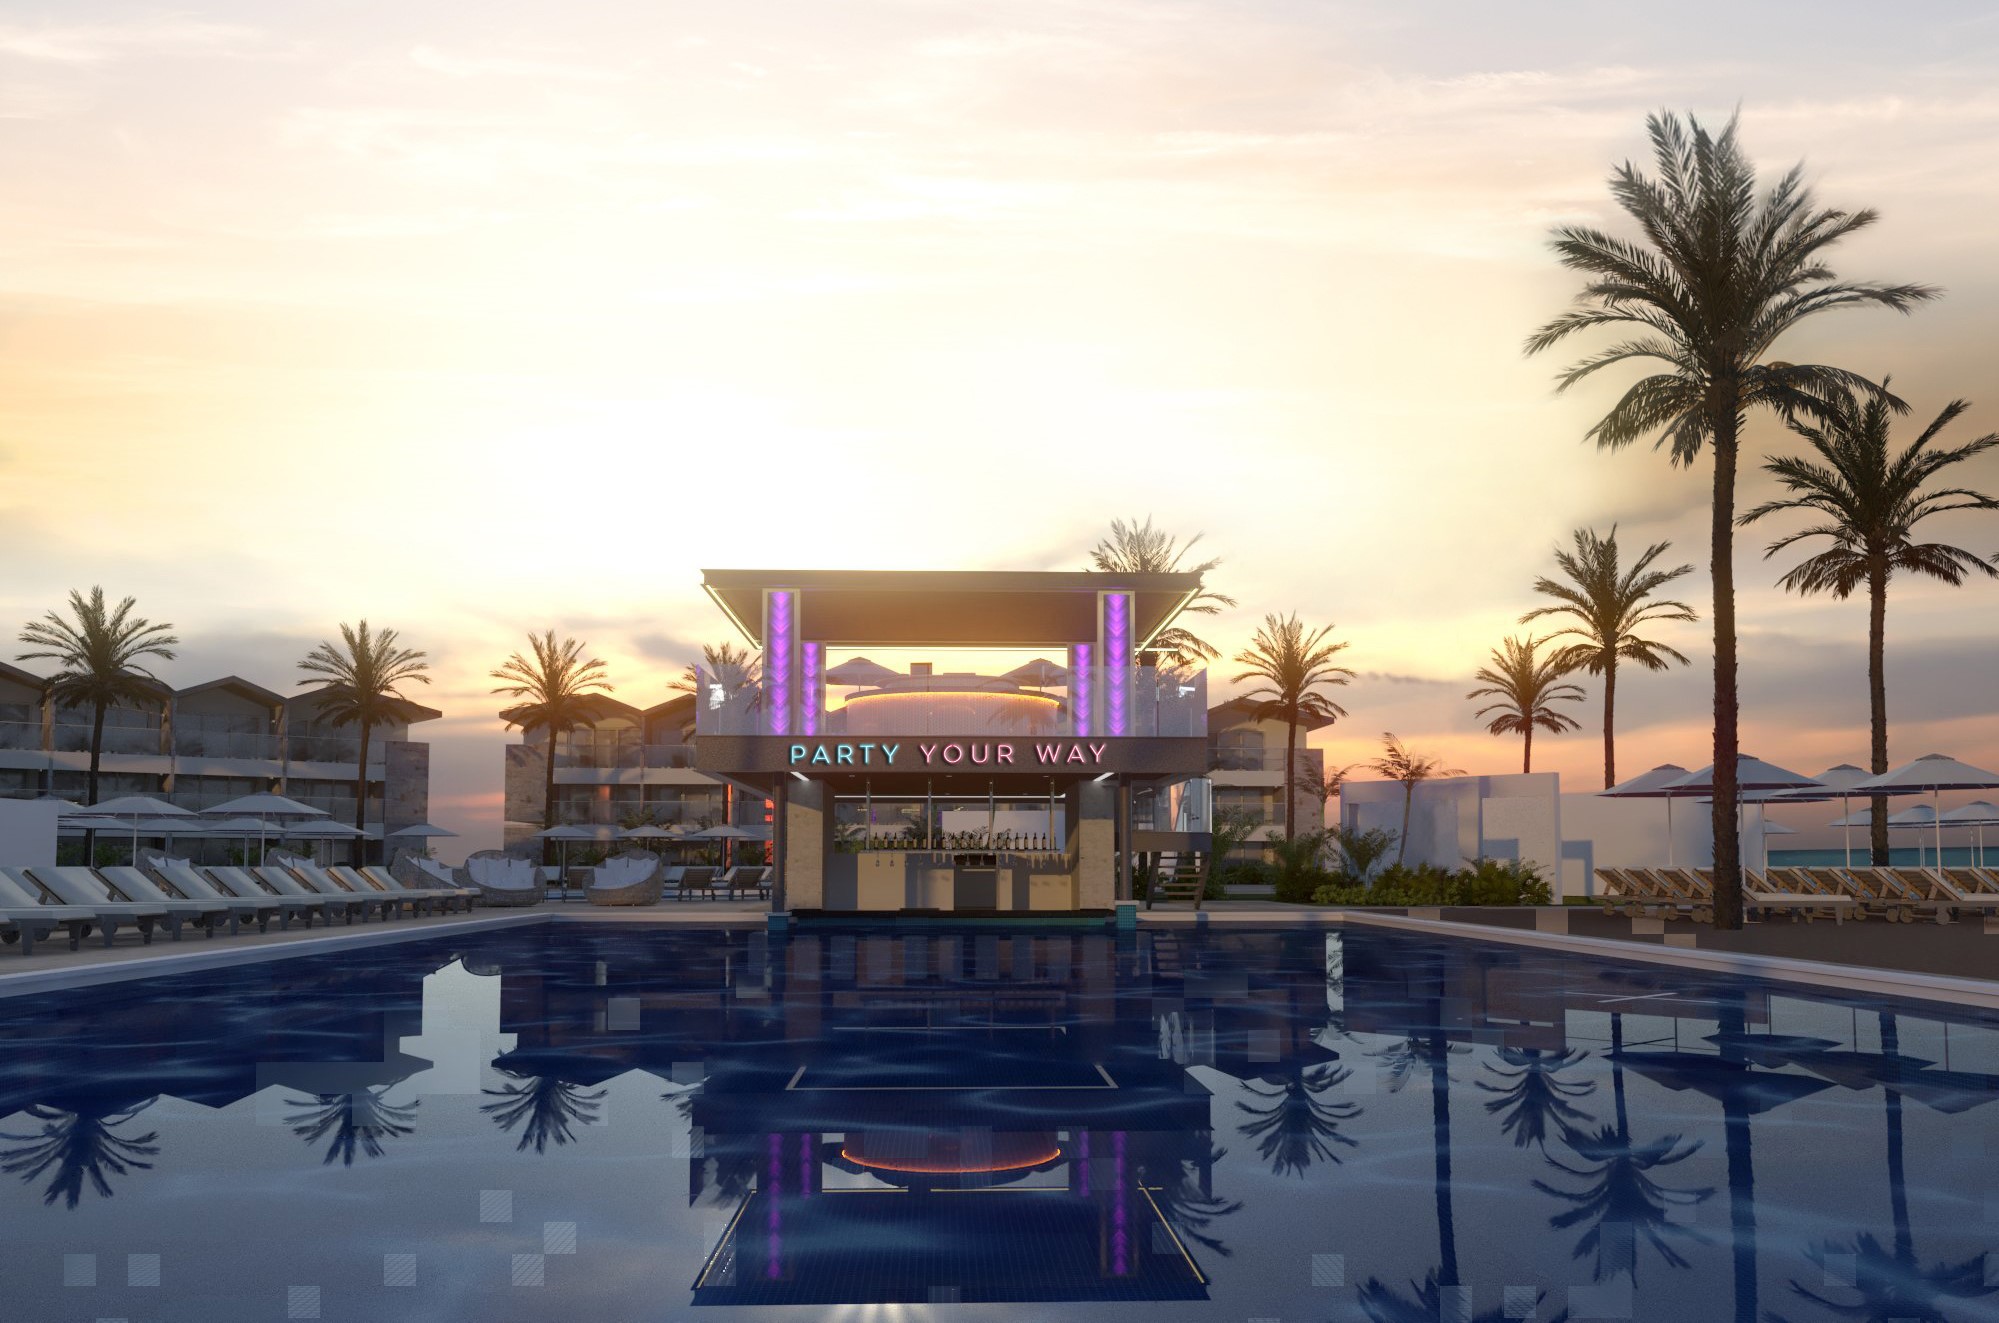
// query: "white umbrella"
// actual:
[[126, 811], [1752, 776], [422, 830], [649, 831], [1977, 815], [1838, 782], [1646, 785], [264, 806], [566, 833], [1935, 773]]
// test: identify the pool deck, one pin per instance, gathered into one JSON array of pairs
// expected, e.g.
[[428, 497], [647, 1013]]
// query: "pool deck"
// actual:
[[1956, 963]]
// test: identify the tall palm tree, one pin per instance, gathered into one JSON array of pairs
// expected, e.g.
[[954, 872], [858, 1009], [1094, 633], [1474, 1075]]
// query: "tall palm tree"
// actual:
[[1398, 763], [735, 669], [1526, 687], [560, 687], [1609, 605], [1290, 664], [358, 681], [1723, 270], [79, 1146], [1868, 500], [98, 649], [1135, 548]]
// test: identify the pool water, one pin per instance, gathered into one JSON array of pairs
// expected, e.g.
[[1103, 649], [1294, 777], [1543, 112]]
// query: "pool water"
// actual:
[[611, 1123]]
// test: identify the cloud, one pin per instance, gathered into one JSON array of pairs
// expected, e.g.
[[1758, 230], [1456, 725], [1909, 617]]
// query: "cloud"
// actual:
[[86, 44]]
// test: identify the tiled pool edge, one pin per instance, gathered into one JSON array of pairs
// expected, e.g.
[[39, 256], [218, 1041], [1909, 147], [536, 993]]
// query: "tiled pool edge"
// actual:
[[1982, 993]]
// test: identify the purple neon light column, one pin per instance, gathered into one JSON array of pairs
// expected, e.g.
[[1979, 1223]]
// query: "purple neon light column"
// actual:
[[812, 699], [780, 678], [1081, 683], [773, 1218], [1117, 663]]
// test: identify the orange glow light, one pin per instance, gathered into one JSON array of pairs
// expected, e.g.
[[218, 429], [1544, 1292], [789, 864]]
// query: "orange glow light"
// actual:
[[1049, 1156]]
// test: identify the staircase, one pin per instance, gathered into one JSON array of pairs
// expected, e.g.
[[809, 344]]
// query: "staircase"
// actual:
[[1181, 879]]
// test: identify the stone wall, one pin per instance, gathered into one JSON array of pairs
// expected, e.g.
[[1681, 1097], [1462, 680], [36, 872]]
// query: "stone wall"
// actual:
[[526, 774], [405, 784]]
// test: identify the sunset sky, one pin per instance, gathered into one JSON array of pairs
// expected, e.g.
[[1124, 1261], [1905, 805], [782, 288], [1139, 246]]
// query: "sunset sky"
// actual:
[[477, 319]]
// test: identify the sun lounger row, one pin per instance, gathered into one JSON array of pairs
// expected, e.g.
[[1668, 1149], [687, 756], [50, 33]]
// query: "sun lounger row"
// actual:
[[698, 880], [38, 901], [1894, 894]]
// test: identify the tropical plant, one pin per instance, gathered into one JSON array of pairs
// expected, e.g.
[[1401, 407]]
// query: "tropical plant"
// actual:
[[1398, 763], [1299, 872], [1868, 499], [1609, 604], [1292, 1121], [358, 1121], [1231, 828], [736, 670], [1525, 687], [1290, 665], [79, 1146], [1361, 848], [98, 649], [1723, 270], [358, 681], [544, 1107], [562, 690], [1135, 548]]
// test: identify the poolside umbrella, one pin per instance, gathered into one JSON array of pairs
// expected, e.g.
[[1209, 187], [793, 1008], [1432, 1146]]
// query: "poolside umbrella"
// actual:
[[1037, 674], [859, 672], [1977, 815], [265, 807], [566, 833], [1837, 782], [421, 831], [126, 811], [650, 831], [1752, 776], [1935, 773], [1646, 785]]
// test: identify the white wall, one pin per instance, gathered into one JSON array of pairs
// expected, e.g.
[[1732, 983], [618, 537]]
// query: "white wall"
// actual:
[[1457, 819], [27, 833], [1630, 833]]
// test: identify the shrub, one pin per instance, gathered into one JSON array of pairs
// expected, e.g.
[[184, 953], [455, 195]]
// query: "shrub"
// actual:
[[1487, 882]]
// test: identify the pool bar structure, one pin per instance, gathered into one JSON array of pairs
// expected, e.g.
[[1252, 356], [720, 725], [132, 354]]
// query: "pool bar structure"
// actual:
[[1064, 745]]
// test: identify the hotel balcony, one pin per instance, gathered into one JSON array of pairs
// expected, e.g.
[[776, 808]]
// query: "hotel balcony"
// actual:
[[1141, 702]]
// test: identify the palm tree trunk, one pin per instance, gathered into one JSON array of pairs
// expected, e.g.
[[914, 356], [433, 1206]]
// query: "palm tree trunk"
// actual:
[[1898, 1185], [96, 756], [1440, 1121], [1737, 1142], [1290, 767], [1527, 752], [361, 797], [1727, 736], [1408, 801], [548, 800], [1877, 705], [1610, 723]]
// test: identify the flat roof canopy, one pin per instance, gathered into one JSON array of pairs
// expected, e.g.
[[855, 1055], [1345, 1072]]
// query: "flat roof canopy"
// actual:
[[949, 608]]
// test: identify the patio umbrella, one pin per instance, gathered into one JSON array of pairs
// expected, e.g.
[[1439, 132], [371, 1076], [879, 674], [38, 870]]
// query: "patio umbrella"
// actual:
[[126, 811], [859, 672], [1752, 776], [650, 831], [1837, 782], [565, 834], [1935, 773], [1977, 815], [1037, 674], [1646, 785], [266, 808]]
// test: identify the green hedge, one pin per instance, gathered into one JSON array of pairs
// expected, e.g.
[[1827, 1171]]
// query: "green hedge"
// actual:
[[1488, 882]]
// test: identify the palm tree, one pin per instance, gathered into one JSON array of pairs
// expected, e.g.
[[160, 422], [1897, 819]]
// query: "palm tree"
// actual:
[[80, 1145], [1526, 687], [98, 650], [1135, 548], [358, 1121], [1869, 499], [1609, 605], [544, 1106], [561, 688], [1397, 763], [1722, 272], [1530, 1093], [357, 681], [735, 669], [1292, 1124], [1290, 665]]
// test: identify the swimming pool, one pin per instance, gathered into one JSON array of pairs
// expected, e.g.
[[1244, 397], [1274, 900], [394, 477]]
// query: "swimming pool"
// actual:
[[611, 1122]]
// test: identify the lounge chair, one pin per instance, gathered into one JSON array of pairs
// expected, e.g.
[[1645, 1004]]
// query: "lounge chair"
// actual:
[[329, 883], [698, 880], [178, 877], [505, 881], [286, 883], [240, 882], [427, 897], [415, 872], [1896, 898], [26, 918], [1765, 894], [671, 880], [1961, 899], [355, 881], [748, 880], [82, 887], [134, 885], [632, 878]]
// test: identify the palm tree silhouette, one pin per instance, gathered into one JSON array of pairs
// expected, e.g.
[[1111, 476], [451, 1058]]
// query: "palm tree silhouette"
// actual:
[[1397, 763], [1526, 687], [1531, 1094], [1869, 500], [1609, 605], [78, 1146], [1888, 1284], [98, 650], [1289, 665], [1135, 548], [359, 1120], [543, 1106], [1723, 270], [357, 682], [1619, 1187], [1292, 1123], [562, 690], [1177, 1168]]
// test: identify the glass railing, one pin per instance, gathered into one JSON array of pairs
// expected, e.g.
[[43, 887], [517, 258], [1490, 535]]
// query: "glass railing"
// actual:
[[117, 739], [225, 744], [1096, 701], [623, 753], [1246, 760], [614, 813], [331, 749], [20, 735]]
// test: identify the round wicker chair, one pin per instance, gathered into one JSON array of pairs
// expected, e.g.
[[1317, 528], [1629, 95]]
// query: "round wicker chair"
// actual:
[[631, 878], [502, 880]]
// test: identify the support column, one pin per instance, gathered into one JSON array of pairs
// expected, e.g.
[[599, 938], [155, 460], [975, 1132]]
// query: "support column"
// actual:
[[780, 838], [1123, 839]]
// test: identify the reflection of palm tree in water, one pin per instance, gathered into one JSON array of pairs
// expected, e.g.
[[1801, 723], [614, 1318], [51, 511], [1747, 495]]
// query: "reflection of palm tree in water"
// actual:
[[1177, 1168], [543, 1106], [728, 1166], [1619, 1189], [1531, 1094], [1294, 1126], [79, 1145], [358, 1121], [1437, 1296], [1888, 1284]]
